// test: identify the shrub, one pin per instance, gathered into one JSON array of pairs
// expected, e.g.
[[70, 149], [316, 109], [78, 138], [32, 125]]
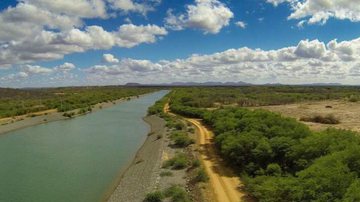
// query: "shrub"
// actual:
[[179, 161], [177, 194], [328, 119], [179, 126], [201, 175], [82, 111], [174, 124], [353, 98], [195, 163], [273, 169], [156, 196], [69, 115], [191, 130], [181, 139]]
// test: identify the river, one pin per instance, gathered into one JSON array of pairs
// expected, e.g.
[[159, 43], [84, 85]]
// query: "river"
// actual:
[[76, 160]]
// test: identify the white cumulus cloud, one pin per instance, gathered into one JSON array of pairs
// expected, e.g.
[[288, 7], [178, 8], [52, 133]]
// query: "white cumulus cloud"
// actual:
[[310, 61], [131, 6], [37, 30], [209, 16], [319, 11], [109, 58]]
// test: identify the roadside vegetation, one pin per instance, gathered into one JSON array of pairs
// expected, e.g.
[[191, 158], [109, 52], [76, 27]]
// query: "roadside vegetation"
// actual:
[[15, 102], [182, 161], [179, 161], [174, 193], [278, 158]]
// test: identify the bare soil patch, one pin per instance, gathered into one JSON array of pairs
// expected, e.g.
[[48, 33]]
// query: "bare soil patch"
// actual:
[[348, 113]]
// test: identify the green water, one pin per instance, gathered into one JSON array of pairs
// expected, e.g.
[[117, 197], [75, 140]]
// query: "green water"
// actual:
[[73, 160]]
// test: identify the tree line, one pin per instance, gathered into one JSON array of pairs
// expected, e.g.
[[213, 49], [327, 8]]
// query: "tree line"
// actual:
[[14, 102]]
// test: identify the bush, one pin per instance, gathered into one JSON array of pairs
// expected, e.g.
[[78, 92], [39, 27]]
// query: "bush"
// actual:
[[156, 196], [196, 163], [191, 130], [273, 169], [179, 161], [328, 119], [201, 175], [69, 115], [177, 194], [181, 139], [82, 111], [173, 123], [353, 98]]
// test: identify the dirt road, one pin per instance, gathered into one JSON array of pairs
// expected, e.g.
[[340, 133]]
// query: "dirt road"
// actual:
[[224, 183]]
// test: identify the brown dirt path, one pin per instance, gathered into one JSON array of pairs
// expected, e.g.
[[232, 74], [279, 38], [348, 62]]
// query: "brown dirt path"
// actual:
[[225, 185]]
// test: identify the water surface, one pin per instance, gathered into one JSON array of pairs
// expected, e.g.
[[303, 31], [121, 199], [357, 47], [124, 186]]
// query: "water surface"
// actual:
[[73, 160]]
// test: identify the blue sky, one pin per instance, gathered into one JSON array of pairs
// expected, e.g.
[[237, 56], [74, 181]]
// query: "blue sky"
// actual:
[[205, 31]]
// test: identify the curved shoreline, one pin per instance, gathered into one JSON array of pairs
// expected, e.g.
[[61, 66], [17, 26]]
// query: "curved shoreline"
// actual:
[[140, 167], [140, 175]]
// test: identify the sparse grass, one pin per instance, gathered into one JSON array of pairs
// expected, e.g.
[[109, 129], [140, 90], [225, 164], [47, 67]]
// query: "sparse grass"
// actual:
[[327, 119], [166, 174]]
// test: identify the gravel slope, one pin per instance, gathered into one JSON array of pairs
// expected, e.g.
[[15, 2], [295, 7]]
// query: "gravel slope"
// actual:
[[142, 176]]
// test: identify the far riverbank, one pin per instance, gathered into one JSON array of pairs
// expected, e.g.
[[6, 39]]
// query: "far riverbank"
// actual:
[[24, 121]]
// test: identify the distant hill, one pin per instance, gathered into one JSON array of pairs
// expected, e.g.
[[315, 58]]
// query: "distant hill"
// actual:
[[210, 83], [133, 84], [239, 83], [323, 84]]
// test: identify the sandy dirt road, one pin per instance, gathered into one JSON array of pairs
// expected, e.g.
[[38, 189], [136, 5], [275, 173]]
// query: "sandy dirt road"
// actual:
[[224, 183]]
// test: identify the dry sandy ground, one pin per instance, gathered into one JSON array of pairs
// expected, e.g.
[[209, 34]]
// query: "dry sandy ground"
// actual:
[[347, 112], [142, 176], [23, 121]]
